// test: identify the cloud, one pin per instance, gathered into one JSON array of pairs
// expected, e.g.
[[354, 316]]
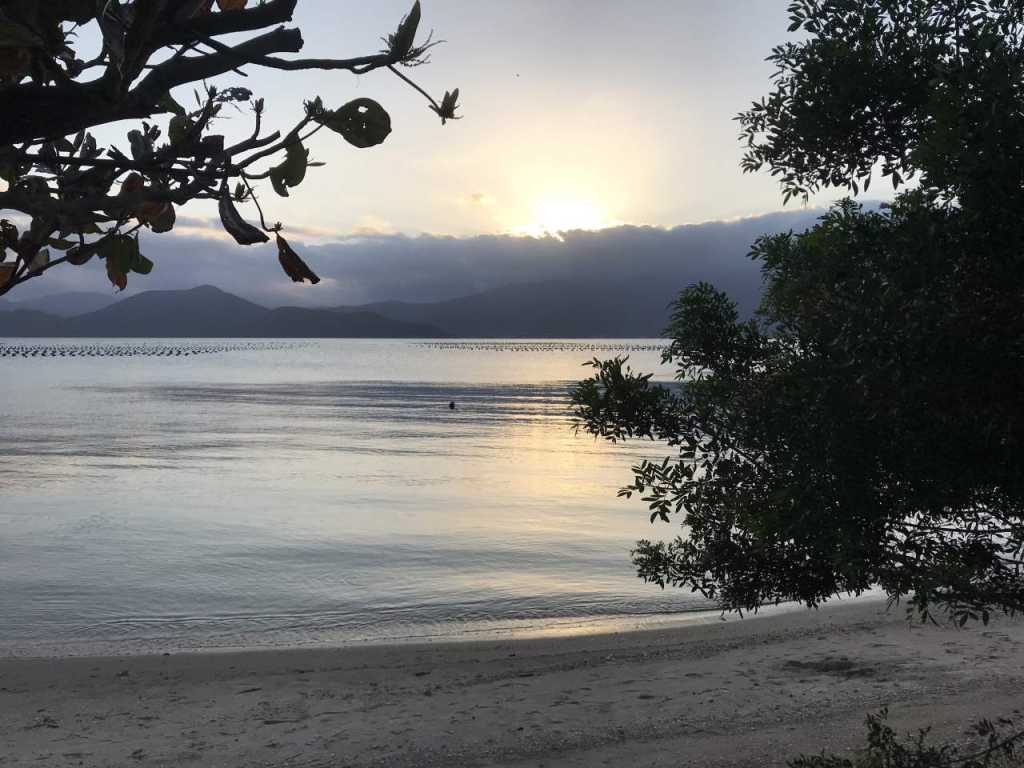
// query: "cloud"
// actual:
[[370, 226], [370, 266]]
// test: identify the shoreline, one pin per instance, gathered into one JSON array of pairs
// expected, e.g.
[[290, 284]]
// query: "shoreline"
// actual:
[[734, 693], [512, 630]]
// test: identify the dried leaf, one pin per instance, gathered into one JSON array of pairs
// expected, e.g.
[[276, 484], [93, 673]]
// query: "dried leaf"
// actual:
[[292, 265], [133, 183], [121, 253], [6, 272], [118, 278], [233, 223], [164, 219], [231, 5]]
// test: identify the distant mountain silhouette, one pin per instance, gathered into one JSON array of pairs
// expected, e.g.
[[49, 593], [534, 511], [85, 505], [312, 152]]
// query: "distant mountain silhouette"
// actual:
[[29, 322], [206, 312], [70, 304], [568, 309], [556, 309]]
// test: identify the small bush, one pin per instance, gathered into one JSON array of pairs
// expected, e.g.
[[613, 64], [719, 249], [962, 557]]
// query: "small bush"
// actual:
[[990, 745]]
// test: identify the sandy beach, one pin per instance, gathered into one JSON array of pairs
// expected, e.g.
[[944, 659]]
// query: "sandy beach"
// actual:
[[747, 692]]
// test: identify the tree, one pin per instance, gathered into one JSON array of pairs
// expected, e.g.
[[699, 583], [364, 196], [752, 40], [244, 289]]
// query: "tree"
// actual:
[[866, 426], [72, 196]]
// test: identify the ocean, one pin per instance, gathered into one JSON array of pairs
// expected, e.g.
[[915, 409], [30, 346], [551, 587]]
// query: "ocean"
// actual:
[[176, 495]]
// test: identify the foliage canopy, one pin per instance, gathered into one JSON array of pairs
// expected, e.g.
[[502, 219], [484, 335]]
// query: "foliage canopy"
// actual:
[[71, 196], [866, 426]]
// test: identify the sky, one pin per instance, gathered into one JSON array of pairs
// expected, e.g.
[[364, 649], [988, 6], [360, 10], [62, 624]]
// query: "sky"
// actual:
[[611, 117], [577, 113]]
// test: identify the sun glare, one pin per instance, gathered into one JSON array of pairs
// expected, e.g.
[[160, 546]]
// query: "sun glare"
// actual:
[[551, 217]]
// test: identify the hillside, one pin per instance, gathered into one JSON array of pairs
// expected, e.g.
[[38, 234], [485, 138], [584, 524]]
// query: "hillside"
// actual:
[[208, 312], [68, 304], [544, 310]]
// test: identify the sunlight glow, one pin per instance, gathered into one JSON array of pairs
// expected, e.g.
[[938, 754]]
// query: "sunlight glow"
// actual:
[[552, 216]]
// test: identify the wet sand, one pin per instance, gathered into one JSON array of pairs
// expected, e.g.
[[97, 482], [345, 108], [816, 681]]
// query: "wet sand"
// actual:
[[750, 692]]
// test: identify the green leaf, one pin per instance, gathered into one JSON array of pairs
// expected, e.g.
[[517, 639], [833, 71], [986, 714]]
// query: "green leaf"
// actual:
[[40, 260], [80, 255], [60, 244], [14, 35], [294, 166], [140, 145], [278, 182], [362, 123], [292, 171], [142, 265], [9, 168], [178, 128], [404, 38], [170, 105], [449, 104]]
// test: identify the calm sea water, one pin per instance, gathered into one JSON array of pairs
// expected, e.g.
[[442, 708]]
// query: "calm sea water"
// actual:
[[158, 495]]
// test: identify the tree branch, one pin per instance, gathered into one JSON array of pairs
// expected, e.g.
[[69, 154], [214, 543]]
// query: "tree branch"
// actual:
[[224, 23], [33, 112], [177, 72]]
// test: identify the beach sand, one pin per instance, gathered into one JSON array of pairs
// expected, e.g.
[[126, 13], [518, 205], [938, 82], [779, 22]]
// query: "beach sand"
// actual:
[[749, 692]]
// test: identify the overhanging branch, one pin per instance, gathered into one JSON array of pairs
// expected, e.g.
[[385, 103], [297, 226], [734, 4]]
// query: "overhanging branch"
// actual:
[[225, 23]]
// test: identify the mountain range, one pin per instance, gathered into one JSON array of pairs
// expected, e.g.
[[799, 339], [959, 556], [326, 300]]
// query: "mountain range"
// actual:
[[556, 309], [536, 310], [204, 312]]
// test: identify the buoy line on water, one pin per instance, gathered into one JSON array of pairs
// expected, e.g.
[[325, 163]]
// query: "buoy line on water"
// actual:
[[540, 346], [146, 349]]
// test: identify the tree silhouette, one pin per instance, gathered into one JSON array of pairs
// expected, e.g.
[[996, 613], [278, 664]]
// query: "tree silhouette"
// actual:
[[866, 428], [73, 197]]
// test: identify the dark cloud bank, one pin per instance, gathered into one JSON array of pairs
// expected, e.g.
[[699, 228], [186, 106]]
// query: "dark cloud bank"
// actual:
[[640, 260]]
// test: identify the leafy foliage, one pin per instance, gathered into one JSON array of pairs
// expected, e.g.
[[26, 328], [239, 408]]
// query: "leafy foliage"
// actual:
[[907, 87], [885, 748], [69, 194], [866, 427]]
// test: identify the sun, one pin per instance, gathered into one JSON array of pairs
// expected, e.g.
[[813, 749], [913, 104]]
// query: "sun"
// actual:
[[552, 216]]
